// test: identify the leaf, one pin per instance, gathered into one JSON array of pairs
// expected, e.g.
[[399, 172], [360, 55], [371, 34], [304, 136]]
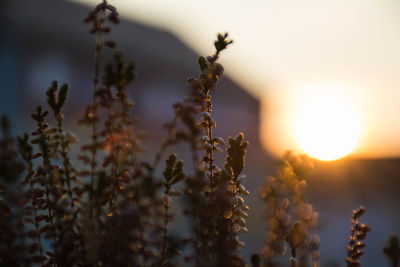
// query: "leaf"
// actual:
[[28, 221], [35, 141], [169, 166], [202, 63], [178, 178], [62, 96], [56, 103], [51, 95], [175, 193], [72, 139], [36, 155]]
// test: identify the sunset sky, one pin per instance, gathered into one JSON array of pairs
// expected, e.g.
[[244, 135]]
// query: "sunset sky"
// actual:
[[287, 51]]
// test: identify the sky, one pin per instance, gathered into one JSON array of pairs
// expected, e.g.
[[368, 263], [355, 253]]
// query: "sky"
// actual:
[[287, 50]]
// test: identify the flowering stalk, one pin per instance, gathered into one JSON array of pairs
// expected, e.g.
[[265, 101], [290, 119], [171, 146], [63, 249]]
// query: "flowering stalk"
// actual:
[[97, 18], [173, 174], [358, 233], [120, 143], [290, 217], [33, 195], [46, 170], [56, 99], [211, 72]]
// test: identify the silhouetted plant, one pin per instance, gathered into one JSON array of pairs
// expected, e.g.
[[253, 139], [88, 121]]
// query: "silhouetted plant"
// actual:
[[12, 232], [173, 174], [98, 17], [392, 251], [32, 202], [356, 240]]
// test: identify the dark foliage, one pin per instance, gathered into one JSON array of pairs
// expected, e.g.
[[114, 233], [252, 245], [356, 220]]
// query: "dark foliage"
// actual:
[[116, 209]]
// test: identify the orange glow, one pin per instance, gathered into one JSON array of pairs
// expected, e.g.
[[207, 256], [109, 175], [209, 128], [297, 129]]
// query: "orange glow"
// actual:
[[325, 124]]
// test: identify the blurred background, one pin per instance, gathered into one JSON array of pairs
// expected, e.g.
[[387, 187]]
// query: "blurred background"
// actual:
[[284, 51]]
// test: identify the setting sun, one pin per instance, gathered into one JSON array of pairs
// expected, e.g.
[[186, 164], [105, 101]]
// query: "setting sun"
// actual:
[[326, 125]]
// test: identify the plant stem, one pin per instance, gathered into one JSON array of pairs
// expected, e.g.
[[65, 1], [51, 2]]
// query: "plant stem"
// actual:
[[210, 140], [97, 63], [165, 227], [64, 155], [49, 182]]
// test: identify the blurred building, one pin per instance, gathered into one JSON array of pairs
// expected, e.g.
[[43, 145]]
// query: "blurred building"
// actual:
[[46, 40]]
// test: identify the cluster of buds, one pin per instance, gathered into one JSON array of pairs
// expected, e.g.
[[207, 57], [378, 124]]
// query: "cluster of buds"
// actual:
[[358, 234], [90, 116], [185, 112], [289, 216], [98, 16], [240, 209], [234, 164], [278, 219], [197, 95], [210, 73], [220, 44], [210, 144], [210, 70], [296, 237]]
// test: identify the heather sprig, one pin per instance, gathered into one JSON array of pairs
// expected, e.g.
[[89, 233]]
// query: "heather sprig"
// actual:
[[33, 202], [68, 181], [198, 102], [56, 98], [228, 205], [46, 174], [130, 182], [289, 216], [233, 167], [120, 143], [102, 14], [173, 174], [296, 238], [211, 199], [358, 233]]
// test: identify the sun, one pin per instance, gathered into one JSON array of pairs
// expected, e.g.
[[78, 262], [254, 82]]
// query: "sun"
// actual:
[[326, 125]]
